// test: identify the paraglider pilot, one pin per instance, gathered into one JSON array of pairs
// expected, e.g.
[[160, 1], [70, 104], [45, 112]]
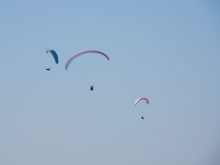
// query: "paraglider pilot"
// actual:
[[91, 88], [142, 117]]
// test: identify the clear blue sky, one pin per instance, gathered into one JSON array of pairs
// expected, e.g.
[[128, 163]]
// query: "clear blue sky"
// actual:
[[167, 51]]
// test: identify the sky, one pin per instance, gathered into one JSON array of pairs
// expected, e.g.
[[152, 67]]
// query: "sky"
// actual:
[[166, 51]]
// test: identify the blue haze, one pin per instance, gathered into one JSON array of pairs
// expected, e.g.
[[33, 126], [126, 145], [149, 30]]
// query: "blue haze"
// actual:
[[167, 51]]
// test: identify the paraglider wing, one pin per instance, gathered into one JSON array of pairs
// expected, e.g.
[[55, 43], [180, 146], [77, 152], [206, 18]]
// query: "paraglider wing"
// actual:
[[55, 56], [136, 101], [81, 53]]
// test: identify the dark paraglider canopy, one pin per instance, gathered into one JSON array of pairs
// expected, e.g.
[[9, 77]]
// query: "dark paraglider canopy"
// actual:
[[47, 69], [54, 54], [91, 88]]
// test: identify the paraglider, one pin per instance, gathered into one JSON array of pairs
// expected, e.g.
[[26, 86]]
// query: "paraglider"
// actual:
[[54, 54], [91, 88], [81, 53], [47, 69], [137, 101]]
